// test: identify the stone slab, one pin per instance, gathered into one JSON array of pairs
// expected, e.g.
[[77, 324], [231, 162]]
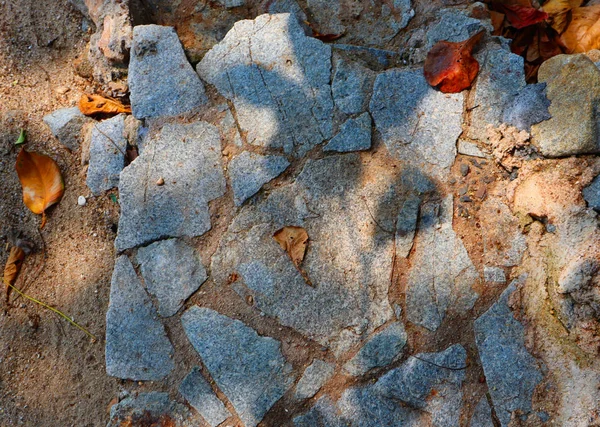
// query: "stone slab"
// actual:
[[198, 392], [354, 135], [313, 378]]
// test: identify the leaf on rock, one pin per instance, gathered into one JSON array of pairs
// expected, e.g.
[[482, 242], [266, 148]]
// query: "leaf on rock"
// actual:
[[96, 104], [41, 181], [293, 240], [583, 33], [450, 66]]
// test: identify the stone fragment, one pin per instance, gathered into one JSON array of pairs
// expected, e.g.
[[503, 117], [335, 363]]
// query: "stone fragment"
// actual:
[[351, 86], [198, 392], [418, 124], [229, 128], [66, 125], [529, 107], [454, 26], [573, 88], [314, 377], [503, 242], [381, 349], [231, 3], [406, 226], [323, 414], [468, 148], [288, 6], [114, 40], [172, 271], [591, 194], [161, 80], [441, 274], [188, 158], [493, 274], [511, 372], [354, 135], [376, 23], [248, 368], [326, 14], [278, 80], [137, 347], [81, 200], [482, 417], [107, 154], [151, 408], [248, 172]]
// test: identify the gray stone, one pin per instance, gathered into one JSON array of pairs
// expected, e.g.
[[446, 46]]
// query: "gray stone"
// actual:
[[314, 377], [468, 148], [326, 14], [454, 26], [482, 417], [591, 194], [107, 154], [383, 348], [172, 271], [573, 88], [354, 135], [511, 372], [278, 80], [529, 107], [418, 124], [153, 407], [66, 125], [231, 3], [323, 414], [493, 274], [188, 159], [198, 392], [406, 226], [249, 369], [161, 80], [376, 23], [351, 86], [137, 347], [248, 172], [229, 128], [377, 59], [288, 6]]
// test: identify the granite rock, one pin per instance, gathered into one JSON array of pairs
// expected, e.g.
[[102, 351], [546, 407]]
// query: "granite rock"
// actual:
[[231, 3], [313, 378], [503, 242], [494, 274], [529, 107], [66, 125], [322, 414], [354, 135], [198, 392], [352, 85], [326, 14], [454, 26], [406, 226], [467, 148], [482, 417], [151, 408], [591, 194]]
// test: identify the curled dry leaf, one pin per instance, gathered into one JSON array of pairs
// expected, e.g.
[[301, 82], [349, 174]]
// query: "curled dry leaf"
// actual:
[[523, 16], [583, 33], [559, 13], [293, 240], [41, 181], [450, 66], [96, 104], [12, 268]]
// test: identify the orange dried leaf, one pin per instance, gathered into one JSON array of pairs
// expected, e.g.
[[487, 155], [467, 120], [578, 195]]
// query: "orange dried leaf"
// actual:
[[559, 14], [96, 104], [41, 181], [12, 268], [450, 66], [583, 33], [293, 240]]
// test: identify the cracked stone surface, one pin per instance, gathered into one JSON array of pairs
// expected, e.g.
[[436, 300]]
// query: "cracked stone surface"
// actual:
[[322, 414], [482, 417], [454, 26], [198, 392], [66, 125], [313, 378], [354, 135], [351, 86]]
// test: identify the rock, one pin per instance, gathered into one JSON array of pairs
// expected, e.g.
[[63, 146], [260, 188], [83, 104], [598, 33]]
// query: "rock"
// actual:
[[81, 201], [248, 368], [376, 59], [314, 377], [114, 41], [352, 85], [288, 6], [529, 107], [511, 372], [573, 88], [248, 172], [278, 80], [66, 125], [494, 275], [198, 392], [137, 347], [231, 3], [161, 80], [503, 242], [441, 274], [591, 194], [406, 226], [418, 124], [375, 23], [323, 414], [482, 417], [152, 408], [454, 26], [354, 135], [326, 14], [383, 348], [107, 154], [188, 158], [172, 271], [229, 128], [468, 148], [464, 169]]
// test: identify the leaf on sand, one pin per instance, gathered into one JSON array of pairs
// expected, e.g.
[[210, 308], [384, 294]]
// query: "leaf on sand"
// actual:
[[22, 138], [293, 240], [12, 268], [96, 104], [41, 181], [450, 66], [583, 33]]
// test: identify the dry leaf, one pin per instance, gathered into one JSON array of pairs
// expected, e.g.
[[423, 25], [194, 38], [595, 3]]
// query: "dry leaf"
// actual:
[[451, 66], [559, 14], [12, 268], [41, 181], [293, 240], [583, 33], [96, 104], [523, 16]]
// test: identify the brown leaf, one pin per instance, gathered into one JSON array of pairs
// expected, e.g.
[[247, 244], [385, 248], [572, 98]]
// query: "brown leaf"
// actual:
[[583, 33], [12, 268], [293, 240], [523, 16], [451, 66], [41, 181], [96, 104], [559, 13]]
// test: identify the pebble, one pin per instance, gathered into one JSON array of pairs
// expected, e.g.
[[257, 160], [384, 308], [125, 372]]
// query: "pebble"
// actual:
[[81, 201], [464, 169]]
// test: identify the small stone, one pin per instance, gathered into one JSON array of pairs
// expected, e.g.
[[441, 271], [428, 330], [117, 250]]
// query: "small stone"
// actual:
[[591, 194], [229, 4], [66, 125], [468, 148], [463, 190], [529, 107], [314, 377], [198, 392], [466, 199], [351, 87], [355, 135], [481, 193], [61, 90], [494, 275], [81, 201], [160, 181], [464, 169], [454, 26], [152, 405]]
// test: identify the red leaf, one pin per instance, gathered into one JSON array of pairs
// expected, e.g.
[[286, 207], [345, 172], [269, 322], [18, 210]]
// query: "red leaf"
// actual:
[[523, 16], [451, 66]]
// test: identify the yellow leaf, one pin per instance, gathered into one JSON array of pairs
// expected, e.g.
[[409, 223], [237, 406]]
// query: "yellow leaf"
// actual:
[[583, 33], [41, 181], [559, 12], [96, 104], [293, 240], [12, 267]]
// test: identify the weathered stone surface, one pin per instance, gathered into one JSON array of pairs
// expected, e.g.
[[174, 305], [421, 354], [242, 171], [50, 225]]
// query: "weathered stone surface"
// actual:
[[228, 127], [231, 3], [418, 124], [198, 392], [351, 86], [354, 135], [591, 194], [317, 374], [441, 274], [381, 349], [161, 80], [573, 88], [482, 417], [529, 107], [288, 6], [278, 80], [107, 154], [494, 274], [511, 372], [323, 414], [327, 15], [247, 368], [455, 26], [468, 148], [377, 59], [152, 408], [137, 347], [248, 172], [66, 125], [188, 159], [503, 241], [172, 271], [406, 226], [348, 260]]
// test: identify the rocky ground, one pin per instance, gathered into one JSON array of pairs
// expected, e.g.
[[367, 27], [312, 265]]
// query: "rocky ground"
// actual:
[[452, 270]]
